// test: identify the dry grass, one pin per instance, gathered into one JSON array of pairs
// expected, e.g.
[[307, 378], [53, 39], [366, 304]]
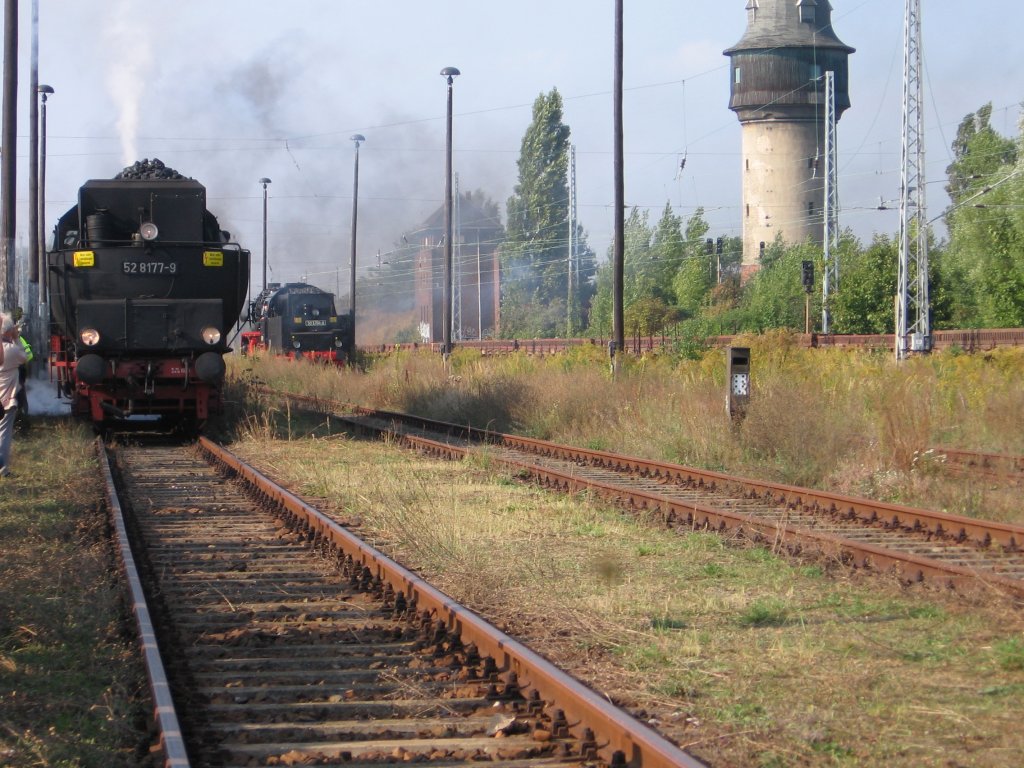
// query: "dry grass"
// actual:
[[850, 421], [747, 658], [70, 680]]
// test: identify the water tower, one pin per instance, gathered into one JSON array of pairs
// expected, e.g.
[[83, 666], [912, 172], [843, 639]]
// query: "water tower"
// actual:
[[778, 93]]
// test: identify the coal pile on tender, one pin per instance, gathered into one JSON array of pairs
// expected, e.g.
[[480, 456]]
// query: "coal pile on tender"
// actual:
[[149, 169]]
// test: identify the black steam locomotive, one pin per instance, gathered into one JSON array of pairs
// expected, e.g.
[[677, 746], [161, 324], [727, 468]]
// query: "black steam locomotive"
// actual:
[[296, 321], [144, 288]]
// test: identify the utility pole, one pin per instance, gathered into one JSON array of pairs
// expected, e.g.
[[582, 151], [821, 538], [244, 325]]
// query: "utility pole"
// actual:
[[830, 276], [8, 158], [457, 267], [913, 326], [33, 150], [619, 246]]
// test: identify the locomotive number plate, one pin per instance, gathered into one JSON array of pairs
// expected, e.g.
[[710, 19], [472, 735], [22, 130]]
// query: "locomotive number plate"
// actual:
[[150, 267], [316, 323]]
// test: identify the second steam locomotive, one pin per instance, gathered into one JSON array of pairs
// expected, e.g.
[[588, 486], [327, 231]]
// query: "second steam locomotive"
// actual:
[[144, 289], [299, 321]]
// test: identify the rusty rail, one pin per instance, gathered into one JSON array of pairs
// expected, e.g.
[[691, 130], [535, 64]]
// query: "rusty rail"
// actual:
[[621, 740], [1002, 468], [172, 743], [865, 512], [976, 340]]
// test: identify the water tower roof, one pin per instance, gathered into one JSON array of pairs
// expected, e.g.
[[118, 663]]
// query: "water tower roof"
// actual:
[[788, 24]]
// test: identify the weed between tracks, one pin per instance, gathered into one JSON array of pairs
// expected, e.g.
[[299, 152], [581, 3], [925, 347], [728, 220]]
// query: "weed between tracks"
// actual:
[[743, 657], [70, 680], [847, 420]]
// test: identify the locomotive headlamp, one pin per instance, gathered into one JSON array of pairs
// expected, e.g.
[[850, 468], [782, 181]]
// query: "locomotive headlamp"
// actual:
[[148, 231], [90, 337], [315, 312], [296, 343], [211, 335], [338, 343]]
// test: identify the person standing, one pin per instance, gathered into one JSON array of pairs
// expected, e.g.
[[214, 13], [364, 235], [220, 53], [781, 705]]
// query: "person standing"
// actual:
[[23, 423], [12, 356]]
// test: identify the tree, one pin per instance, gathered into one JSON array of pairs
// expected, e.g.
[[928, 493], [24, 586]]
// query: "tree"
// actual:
[[979, 152], [637, 281], [695, 276], [535, 263], [986, 227], [865, 300], [774, 297]]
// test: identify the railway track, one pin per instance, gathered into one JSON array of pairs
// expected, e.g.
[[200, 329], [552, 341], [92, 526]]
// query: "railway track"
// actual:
[[978, 340], [916, 544], [273, 636], [996, 468]]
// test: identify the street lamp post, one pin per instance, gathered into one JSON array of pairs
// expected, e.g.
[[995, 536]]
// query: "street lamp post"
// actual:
[[357, 138], [446, 343], [265, 181], [40, 203]]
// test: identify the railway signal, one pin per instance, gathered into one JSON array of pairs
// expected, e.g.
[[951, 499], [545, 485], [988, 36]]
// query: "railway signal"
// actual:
[[737, 396]]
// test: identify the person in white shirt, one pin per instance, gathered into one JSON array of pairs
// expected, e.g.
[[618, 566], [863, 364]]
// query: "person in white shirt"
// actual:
[[12, 355]]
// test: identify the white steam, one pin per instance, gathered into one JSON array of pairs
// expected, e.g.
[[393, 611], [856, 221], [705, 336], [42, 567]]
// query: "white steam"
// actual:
[[130, 59]]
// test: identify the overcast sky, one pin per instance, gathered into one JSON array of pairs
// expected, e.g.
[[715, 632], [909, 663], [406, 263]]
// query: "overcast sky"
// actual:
[[228, 91]]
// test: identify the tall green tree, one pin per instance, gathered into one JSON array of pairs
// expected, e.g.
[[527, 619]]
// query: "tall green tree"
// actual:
[[774, 297], [982, 264], [535, 255], [865, 300], [979, 152], [695, 276], [644, 308]]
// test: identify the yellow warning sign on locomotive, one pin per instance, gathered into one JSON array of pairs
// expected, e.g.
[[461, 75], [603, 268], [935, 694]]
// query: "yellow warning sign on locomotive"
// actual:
[[84, 259], [213, 258]]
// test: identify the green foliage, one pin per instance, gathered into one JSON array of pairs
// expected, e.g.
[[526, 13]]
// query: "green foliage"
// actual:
[[864, 302], [982, 265], [775, 298], [673, 284], [535, 255]]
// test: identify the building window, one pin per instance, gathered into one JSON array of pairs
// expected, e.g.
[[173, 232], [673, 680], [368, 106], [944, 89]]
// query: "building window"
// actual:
[[807, 8], [748, 163], [748, 210], [737, 77], [810, 208]]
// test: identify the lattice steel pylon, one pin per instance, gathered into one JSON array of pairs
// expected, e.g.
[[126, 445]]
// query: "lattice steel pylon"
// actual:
[[913, 325], [830, 269]]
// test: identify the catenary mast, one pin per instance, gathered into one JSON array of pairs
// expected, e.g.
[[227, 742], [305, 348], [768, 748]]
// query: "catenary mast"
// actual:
[[913, 326]]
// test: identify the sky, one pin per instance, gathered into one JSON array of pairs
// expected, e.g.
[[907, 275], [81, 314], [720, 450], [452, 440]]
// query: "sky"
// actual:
[[230, 91]]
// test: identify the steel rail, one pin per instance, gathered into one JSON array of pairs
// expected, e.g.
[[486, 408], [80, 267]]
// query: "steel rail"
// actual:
[[984, 339], [942, 524], [172, 742], [912, 567], [621, 740], [939, 524], [1003, 467]]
